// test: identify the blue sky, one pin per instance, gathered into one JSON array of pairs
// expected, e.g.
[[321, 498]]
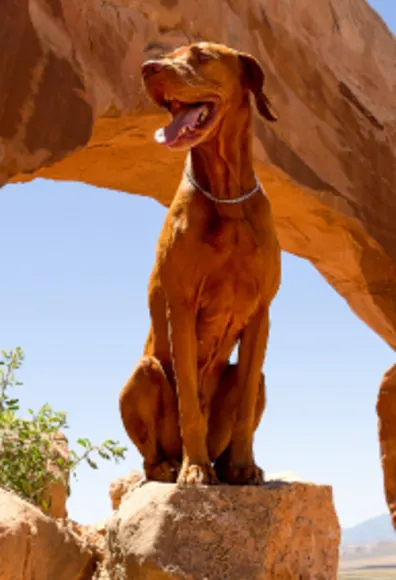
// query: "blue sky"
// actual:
[[76, 261]]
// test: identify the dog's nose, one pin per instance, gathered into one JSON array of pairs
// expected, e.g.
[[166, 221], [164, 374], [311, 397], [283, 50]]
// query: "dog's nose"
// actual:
[[151, 67]]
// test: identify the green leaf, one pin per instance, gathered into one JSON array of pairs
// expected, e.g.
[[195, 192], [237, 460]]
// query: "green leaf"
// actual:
[[103, 454]]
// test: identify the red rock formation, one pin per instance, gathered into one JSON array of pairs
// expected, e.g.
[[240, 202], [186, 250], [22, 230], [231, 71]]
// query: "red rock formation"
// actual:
[[33, 545], [69, 72], [282, 530], [386, 408]]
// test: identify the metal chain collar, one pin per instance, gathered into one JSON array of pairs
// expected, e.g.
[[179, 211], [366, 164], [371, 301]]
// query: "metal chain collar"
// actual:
[[217, 199]]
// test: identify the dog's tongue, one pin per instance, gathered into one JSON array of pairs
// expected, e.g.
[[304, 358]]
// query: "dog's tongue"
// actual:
[[185, 117]]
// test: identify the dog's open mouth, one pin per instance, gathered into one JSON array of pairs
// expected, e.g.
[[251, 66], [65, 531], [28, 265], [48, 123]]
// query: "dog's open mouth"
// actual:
[[189, 122]]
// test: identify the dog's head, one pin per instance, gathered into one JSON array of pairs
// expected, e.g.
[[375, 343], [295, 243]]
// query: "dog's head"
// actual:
[[199, 84]]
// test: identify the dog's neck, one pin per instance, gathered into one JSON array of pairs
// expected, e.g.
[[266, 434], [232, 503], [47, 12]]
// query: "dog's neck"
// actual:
[[223, 165]]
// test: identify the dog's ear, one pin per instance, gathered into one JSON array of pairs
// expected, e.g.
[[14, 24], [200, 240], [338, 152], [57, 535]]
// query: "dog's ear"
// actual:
[[253, 79]]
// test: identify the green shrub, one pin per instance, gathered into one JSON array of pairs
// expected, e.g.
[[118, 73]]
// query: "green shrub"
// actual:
[[27, 451]]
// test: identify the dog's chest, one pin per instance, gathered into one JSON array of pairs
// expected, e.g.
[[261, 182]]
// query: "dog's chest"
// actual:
[[232, 290], [234, 268]]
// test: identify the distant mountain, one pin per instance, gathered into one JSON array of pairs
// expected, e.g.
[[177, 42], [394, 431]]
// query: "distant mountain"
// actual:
[[377, 529]]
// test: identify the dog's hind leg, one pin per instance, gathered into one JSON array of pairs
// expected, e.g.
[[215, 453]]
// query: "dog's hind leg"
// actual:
[[149, 412]]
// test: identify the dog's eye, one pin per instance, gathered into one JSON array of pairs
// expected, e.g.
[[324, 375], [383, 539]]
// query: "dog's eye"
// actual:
[[203, 56]]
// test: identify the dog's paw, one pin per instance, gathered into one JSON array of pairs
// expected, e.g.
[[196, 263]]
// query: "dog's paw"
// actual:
[[194, 474], [240, 475], [165, 471]]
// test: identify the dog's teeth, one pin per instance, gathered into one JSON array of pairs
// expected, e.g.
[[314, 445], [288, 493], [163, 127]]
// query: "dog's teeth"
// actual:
[[159, 136], [203, 115]]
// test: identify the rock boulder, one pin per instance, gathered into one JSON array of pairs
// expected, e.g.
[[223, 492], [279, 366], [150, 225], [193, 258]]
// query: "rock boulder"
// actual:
[[33, 545], [280, 531]]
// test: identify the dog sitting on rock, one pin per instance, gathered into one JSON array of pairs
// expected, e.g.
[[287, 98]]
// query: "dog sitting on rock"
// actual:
[[190, 412]]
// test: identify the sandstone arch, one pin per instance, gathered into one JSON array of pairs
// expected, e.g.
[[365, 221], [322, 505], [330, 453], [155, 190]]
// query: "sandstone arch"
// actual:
[[71, 107]]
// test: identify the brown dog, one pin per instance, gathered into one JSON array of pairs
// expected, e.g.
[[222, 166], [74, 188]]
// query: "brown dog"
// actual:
[[216, 273]]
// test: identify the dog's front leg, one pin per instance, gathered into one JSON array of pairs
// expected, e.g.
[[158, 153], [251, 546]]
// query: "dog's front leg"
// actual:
[[196, 466], [237, 466]]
